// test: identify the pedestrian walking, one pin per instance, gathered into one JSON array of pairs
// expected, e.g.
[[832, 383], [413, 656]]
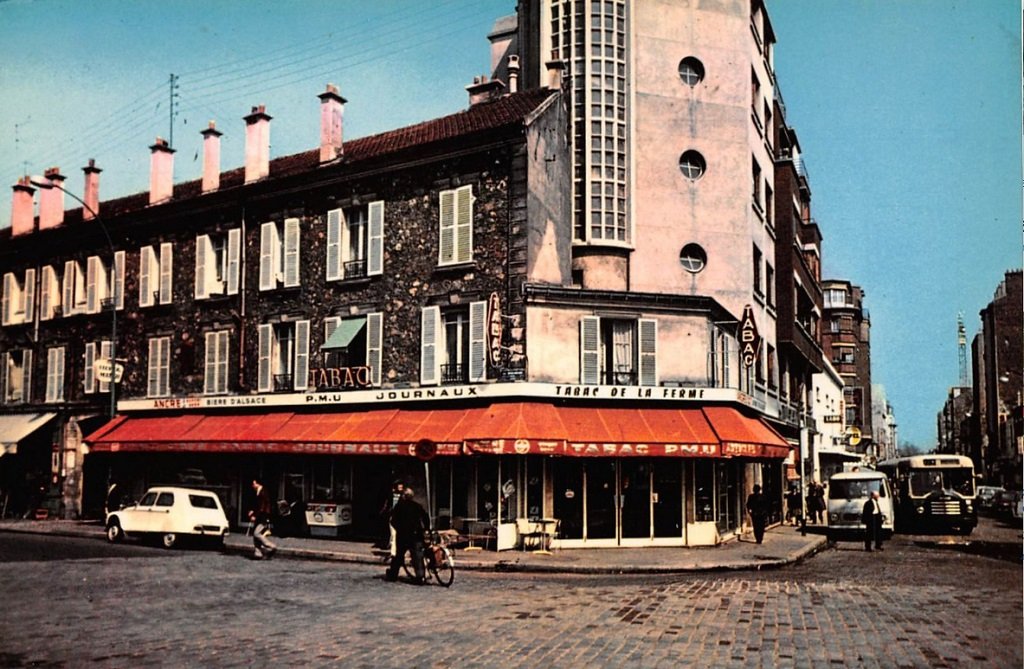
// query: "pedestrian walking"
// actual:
[[757, 507], [387, 532], [410, 521], [872, 519], [259, 517], [818, 496], [793, 505]]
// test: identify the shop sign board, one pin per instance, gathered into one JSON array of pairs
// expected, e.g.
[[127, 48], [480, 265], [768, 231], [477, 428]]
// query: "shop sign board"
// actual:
[[105, 369], [339, 377], [494, 328], [750, 338]]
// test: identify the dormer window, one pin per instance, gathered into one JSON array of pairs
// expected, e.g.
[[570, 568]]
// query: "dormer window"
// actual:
[[217, 263], [279, 254]]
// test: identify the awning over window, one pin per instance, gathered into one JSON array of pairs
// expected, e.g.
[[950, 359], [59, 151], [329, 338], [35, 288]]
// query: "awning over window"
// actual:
[[344, 333], [14, 428], [502, 428]]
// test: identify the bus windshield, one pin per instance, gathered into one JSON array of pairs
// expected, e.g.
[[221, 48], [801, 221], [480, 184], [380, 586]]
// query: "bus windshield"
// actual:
[[923, 482], [854, 488]]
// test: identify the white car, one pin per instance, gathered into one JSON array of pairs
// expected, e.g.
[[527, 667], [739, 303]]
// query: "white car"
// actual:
[[169, 513]]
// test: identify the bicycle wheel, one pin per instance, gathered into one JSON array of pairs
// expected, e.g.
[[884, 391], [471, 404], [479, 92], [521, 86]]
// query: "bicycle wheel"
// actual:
[[445, 571]]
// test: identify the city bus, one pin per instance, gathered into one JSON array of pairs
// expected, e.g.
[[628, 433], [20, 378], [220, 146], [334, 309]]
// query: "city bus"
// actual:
[[935, 493]]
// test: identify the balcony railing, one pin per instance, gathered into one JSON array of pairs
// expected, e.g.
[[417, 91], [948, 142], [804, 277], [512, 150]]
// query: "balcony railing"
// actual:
[[355, 269], [283, 382], [620, 377], [454, 373]]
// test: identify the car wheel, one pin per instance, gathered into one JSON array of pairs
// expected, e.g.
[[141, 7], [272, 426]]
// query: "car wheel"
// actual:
[[169, 539], [114, 532]]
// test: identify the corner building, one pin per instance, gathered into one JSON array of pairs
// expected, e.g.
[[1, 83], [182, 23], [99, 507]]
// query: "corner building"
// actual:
[[563, 288]]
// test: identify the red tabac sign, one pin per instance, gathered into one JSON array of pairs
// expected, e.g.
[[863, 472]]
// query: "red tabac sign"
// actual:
[[750, 338]]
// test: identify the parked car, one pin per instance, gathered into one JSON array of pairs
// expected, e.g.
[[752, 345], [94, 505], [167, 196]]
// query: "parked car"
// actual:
[[1018, 506], [170, 513], [986, 495], [1004, 504]]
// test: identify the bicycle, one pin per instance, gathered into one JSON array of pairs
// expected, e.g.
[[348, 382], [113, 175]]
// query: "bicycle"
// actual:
[[438, 559]]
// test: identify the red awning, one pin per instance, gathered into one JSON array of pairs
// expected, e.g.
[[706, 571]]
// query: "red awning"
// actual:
[[502, 428]]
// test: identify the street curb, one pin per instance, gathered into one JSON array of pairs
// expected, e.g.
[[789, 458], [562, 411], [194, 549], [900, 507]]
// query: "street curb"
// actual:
[[499, 566]]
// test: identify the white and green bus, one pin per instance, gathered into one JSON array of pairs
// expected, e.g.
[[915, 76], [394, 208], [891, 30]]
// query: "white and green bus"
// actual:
[[935, 494]]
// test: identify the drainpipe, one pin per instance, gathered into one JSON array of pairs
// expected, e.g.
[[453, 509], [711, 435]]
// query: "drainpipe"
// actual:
[[241, 293]]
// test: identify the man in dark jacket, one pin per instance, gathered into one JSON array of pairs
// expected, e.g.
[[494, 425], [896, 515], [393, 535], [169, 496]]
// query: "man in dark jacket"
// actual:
[[410, 521], [757, 507], [872, 519], [260, 518]]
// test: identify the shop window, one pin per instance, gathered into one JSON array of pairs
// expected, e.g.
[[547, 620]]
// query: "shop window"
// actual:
[[19, 298], [355, 242], [155, 275], [453, 347], [215, 377], [55, 374], [618, 351], [279, 254], [217, 264], [283, 356]]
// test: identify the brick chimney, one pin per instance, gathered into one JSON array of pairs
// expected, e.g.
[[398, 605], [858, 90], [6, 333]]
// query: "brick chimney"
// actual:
[[332, 110], [161, 171], [257, 144], [483, 89], [22, 214], [556, 69], [51, 200], [513, 73], [211, 157], [92, 190]]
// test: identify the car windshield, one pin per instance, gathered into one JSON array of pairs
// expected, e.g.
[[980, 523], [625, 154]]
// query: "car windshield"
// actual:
[[923, 482], [202, 501], [148, 499], [854, 488]]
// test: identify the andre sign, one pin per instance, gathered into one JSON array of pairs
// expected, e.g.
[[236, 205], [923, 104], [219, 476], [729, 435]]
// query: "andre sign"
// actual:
[[750, 339]]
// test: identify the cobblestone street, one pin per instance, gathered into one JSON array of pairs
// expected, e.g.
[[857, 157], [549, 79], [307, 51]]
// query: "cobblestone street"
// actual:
[[918, 604]]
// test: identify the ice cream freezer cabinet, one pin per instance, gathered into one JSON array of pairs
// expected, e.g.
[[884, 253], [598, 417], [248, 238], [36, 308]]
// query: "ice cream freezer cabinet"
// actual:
[[326, 519]]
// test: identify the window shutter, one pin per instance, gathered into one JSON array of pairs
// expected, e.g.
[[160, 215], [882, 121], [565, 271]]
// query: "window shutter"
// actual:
[[147, 261], [69, 287], [301, 379], [648, 351], [464, 224], [26, 370], [291, 252], [477, 341], [90, 358], [375, 252], [203, 248], [334, 244], [268, 266], [105, 354], [266, 342], [430, 362], [222, 361], [50, 371], [166, 273], [234, 260], [210, 368], [92, 296], [60, 374], [118, 280], [590, 350], [446, 231], [8, 292], [165, 366], [30, 295], [374, 345], [5, 368], [153, 373], [55, 375], [45, 294]]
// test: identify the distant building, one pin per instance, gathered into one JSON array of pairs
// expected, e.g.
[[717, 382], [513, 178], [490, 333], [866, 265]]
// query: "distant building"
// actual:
[[846, 340], [953, 423], [883, 421], [830, 449]]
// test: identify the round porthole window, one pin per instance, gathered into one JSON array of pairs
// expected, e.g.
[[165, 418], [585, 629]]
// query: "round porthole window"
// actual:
[[692, 165], [691, 71], [693, 258]]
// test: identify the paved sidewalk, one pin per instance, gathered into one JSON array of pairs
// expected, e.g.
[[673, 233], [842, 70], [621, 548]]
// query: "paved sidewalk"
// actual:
[[782, 545]]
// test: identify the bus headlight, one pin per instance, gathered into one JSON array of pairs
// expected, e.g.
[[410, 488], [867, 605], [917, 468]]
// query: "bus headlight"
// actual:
[[920, 509], [833, 517]]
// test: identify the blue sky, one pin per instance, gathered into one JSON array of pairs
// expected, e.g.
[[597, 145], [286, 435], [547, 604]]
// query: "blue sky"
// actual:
[[908, 115]]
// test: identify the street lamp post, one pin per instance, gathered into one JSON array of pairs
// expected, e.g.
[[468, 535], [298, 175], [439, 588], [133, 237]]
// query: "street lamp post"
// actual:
[[43, 182]]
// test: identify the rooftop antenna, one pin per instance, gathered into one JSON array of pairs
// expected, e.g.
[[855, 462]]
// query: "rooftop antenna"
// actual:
[[173, 85], [961, 339]]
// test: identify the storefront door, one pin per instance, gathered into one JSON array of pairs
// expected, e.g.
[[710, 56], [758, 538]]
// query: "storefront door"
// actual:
[[667, 499], [600, 500]]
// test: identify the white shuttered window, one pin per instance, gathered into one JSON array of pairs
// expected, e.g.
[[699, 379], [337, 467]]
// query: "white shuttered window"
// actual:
[[55, 374], [215, 378], [159, 367], [455, 234]]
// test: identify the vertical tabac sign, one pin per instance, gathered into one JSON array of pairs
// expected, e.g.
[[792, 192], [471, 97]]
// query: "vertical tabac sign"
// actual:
[[750, 339], [494, 329]]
